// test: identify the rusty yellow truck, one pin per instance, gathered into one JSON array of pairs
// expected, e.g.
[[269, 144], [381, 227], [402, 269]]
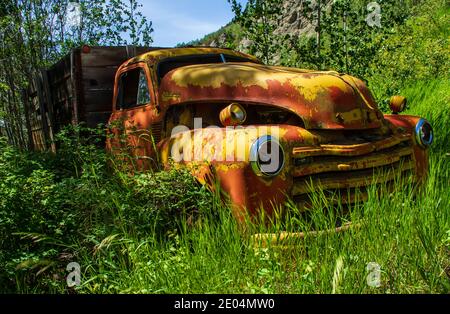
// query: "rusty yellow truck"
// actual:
[[266, 134]]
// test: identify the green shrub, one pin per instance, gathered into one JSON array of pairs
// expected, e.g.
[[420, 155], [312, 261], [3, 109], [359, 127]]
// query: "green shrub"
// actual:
[[417, 51], [50, 204]]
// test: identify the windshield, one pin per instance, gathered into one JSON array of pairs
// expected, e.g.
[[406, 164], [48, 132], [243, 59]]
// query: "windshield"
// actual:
[[167, 65]]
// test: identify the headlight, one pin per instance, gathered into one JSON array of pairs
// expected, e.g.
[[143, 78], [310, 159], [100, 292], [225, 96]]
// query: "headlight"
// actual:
[[424, 133], [267, 156], [233, 115]]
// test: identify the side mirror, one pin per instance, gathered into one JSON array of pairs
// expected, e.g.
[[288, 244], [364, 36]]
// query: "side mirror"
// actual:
[[397, 104]]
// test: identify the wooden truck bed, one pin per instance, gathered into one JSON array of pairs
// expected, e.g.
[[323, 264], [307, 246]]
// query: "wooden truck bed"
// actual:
[[78, 88]]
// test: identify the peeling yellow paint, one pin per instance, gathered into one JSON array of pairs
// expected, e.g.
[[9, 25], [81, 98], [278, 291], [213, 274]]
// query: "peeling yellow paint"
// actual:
[[166, 96], [351, 116], [233, 166], [311, 89], [216, 75]]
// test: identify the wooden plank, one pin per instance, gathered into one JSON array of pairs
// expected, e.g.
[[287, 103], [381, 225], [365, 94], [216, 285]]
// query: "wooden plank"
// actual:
[[98, 97], [42, 110], [62, 99], [98, 78], [75, 68], [62, 91], [60, 71], [104, 56], [104, 72], [39, 141], [111, 56], [49, 106], [141, 50], [100, 100]]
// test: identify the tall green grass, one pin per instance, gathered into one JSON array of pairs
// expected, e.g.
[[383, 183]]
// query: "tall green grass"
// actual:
[[407, 233]]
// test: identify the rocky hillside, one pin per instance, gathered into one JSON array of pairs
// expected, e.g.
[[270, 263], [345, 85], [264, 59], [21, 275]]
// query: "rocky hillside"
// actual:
[[292, 23]]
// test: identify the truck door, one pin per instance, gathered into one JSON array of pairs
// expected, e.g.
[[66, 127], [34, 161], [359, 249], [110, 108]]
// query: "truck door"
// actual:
[[136, 118]]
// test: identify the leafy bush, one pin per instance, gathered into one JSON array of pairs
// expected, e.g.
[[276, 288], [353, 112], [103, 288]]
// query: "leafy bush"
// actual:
[[49, 203], [414, 51]]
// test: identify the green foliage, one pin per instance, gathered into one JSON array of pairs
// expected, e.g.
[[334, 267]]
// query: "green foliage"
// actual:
[[228, 36], [415, 51], [345, 41], [259, 19], [51, 203], [124, 17]]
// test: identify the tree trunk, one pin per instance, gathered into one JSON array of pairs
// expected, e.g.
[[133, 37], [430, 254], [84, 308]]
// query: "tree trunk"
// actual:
[[26, 110], [319, 12]]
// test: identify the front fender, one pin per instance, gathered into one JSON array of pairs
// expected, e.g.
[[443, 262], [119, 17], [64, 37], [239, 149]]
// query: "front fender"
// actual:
[[223, 155]]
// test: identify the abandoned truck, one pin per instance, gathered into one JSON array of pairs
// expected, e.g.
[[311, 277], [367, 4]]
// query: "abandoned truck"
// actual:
[[265, 133]]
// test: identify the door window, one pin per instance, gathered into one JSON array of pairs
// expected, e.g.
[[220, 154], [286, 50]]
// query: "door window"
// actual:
[[133, 89]]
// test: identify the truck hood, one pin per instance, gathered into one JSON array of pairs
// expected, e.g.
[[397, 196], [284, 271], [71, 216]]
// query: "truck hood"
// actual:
[[323, 100]]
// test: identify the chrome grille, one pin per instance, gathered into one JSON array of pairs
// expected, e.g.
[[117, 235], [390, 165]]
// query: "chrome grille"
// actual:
[[347, 170]]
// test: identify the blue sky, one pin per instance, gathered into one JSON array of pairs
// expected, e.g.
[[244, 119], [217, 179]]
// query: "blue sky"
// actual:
[[176, 21]]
